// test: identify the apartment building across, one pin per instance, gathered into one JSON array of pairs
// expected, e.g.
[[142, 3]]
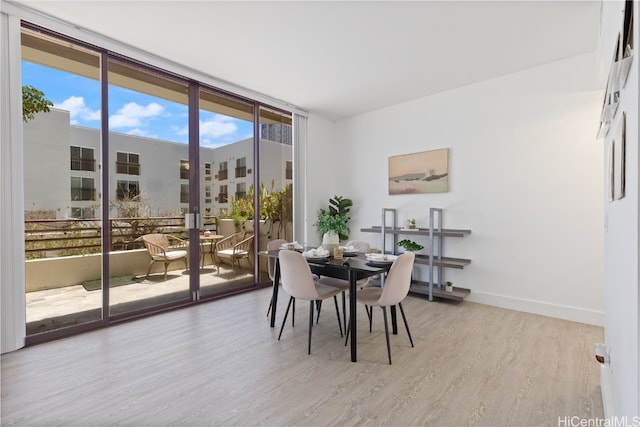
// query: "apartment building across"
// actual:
[[157, 170]]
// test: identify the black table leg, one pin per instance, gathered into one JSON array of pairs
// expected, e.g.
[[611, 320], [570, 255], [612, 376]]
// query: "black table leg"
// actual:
[[274, 296], [352, 313]]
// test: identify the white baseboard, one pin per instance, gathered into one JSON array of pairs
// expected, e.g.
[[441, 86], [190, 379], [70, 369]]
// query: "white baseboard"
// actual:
[[566, 312], [605, 389]]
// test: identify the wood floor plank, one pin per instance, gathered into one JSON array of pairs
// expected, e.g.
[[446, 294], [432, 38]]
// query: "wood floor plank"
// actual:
[[221, 364]]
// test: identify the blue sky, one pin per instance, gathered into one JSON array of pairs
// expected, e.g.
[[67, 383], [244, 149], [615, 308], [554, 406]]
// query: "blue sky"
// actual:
[[130, 112]]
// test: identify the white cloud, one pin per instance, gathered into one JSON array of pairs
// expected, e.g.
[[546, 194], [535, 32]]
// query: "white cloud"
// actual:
[[218, 126], [131, 113], [78, 110]]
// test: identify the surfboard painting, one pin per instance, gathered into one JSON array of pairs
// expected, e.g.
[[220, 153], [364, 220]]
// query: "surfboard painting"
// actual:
[[416, 173]]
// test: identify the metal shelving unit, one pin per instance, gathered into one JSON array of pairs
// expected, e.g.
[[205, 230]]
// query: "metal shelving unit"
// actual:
[[435, 259]]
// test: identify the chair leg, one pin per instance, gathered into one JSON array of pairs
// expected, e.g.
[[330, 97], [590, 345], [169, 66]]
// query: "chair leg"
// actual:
[[347, 330], [406, 325], [166, 266], [310, 324], [148, 270], [386, 333], [270, 304], [335, 300], [319, 306], [370, 314], [286, 313], [344, 308]]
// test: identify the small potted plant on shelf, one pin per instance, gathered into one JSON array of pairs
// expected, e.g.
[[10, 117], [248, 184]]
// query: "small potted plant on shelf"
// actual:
[[410, 245], [449, 287], [410, 223]]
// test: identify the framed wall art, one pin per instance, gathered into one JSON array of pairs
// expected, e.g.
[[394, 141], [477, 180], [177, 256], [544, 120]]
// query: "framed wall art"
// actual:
[[619, 161], [418, 173]]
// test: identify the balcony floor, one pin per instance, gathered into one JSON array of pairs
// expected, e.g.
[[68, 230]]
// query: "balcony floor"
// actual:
[[70, 305]]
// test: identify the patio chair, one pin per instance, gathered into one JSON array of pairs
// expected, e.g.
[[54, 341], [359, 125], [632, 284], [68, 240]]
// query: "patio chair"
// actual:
[[159, 249], [234, 248]]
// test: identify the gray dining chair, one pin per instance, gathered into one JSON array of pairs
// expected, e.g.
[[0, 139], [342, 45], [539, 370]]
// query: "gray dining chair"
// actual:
[[343, 285], [271, 265], [298, 281], [395, 289]]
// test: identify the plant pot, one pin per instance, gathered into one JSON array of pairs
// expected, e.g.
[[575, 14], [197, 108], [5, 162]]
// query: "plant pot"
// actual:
[[330, 241], [448, 288], [226, 227]]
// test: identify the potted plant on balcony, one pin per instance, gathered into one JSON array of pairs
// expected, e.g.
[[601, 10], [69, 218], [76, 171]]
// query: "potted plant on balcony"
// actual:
[[449, 287], [333, 222], [410, 245]]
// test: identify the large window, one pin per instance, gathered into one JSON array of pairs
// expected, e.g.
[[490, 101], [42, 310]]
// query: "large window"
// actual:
[[128, 163], [241, 167], [90, 151], [127, 190], [223, 195], [82, 189], [82, 159], [222, 172], [184, 169], [62, 198]]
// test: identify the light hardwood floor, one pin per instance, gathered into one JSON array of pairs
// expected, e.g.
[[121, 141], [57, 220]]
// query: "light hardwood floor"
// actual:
[[220, 364]]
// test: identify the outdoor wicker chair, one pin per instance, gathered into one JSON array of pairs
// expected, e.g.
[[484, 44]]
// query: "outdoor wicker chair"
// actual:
[[165, 248]]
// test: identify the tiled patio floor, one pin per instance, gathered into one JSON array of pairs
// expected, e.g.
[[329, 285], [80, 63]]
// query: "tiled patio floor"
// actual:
[[48, 306]]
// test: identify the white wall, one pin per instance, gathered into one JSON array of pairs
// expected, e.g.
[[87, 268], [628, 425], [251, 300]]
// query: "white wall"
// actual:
[[621, 377], [525, 177], [323, 172]]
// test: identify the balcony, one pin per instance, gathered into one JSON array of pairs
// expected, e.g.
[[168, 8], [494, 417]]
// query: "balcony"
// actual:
[[222, 174], [63, 256]]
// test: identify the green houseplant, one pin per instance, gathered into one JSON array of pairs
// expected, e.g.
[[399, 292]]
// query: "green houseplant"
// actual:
[[332, 222], [410, 245]]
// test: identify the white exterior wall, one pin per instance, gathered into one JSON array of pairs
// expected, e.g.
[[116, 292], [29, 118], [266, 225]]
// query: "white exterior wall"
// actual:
[[621, 377], [49, 136], [525, 176], [47, 143]]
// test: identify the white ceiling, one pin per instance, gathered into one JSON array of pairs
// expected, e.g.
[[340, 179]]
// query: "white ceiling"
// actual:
[[340, 58]]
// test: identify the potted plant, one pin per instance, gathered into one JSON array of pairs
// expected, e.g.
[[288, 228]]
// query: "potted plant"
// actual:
[[411, 223], [410, 245], [449, 287], [332, 223]]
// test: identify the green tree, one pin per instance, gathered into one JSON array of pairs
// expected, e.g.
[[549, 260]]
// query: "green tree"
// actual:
[[33, 102]]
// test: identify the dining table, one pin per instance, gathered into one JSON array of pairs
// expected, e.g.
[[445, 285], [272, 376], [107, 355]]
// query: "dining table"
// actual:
[[351, 268]]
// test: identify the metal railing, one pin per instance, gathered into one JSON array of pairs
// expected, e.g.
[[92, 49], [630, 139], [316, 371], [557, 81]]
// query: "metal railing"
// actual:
[[64, 237]]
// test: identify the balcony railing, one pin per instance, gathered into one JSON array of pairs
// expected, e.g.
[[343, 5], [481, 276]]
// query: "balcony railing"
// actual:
[[128, 168], [64, 237], [223, 197], [222, 174], [81, 164], [241, 172], [78, 194]]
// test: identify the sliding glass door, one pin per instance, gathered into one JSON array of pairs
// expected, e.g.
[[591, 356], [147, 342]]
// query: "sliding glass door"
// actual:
[[62, 157], [226, 149], [144, 190], [148, 193]]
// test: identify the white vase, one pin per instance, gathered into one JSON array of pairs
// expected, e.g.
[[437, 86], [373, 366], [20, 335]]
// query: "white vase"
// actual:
[[330, 241]]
